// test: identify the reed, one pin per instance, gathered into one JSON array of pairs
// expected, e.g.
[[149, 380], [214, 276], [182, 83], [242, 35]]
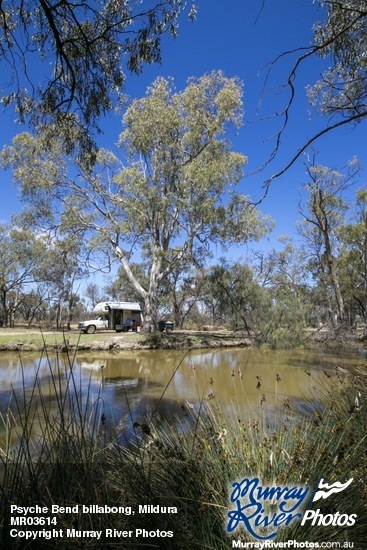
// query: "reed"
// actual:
[[55, 451]]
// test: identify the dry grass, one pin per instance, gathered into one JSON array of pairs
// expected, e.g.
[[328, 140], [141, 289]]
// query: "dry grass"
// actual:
[[70, 462], [19, 339]]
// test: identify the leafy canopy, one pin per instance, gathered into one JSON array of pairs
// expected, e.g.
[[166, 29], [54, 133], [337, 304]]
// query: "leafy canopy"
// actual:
[[342, 88], [340, 94], [66, 59], [172, 192]]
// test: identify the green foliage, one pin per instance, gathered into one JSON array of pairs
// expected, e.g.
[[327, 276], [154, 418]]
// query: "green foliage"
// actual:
[[188, 166], [266, 297], [352, 260], [62, 456], [340, 94], [323, 218], [182, 291], [82, 49], [174, 197], [122, 289], [234, 297], [19, 251], [342, 88], [37, 270]]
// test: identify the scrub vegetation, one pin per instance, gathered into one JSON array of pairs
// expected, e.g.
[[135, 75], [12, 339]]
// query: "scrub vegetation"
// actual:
[[168, 198], [61, 451]]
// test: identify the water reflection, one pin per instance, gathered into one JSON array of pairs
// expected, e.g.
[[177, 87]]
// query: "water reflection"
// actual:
[[144, 386]]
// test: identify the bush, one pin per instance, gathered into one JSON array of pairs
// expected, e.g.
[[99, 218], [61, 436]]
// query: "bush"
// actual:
[[64, 458]]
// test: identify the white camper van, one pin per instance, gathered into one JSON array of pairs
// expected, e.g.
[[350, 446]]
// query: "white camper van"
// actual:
[[118, 316]]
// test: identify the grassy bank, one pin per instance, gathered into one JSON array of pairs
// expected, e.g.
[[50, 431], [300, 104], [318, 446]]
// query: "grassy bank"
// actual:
[[21, 339], [62, 457]]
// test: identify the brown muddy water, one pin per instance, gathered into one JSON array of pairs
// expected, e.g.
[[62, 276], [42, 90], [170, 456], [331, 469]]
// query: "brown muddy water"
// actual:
[[145, 386]]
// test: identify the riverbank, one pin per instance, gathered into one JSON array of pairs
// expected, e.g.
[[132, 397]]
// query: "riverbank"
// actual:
[[23, 339]]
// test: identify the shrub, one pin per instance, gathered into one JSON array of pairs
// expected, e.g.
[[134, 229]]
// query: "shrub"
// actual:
[[62, 457]]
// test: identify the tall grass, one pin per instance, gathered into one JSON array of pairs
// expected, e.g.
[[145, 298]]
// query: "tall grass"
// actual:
[[60, 455]]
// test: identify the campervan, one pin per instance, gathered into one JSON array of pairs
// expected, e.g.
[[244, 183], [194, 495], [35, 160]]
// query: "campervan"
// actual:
[[118, 316]]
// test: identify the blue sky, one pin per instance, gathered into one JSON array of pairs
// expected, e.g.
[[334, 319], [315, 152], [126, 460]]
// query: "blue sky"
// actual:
[[241, 37]]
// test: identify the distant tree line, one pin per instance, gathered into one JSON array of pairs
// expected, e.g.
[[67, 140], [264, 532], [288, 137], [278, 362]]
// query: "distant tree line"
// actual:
[[170, 194], [272, 296], [39, 278]]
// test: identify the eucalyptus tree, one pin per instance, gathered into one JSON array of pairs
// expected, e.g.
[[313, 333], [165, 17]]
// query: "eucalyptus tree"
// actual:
[[353, 258], [20, 252], [234, 297], [265, 295], [340, 93], [284, 274], [64, 61], [94, 293], [342, 88], [172, 194], [33, 306], [181, 292], [323, 218], [122, 289], [178, 294], [61, 269]]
